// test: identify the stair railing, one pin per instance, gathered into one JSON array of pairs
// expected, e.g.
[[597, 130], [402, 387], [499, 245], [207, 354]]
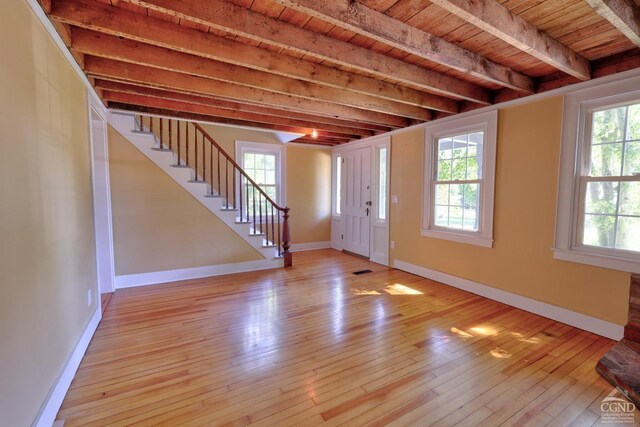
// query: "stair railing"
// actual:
[[212, 165]]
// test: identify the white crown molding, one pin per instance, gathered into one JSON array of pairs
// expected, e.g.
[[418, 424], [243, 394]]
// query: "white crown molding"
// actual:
[[579, 320]]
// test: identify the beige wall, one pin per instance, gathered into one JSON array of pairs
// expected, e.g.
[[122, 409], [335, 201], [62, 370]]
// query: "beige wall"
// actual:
[[521, 260], [157, 225], [47, 257]]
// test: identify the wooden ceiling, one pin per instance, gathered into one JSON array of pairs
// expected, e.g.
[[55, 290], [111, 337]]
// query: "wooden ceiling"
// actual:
[[346, 68]]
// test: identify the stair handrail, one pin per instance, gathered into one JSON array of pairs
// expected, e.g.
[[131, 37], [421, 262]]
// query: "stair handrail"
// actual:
[[286, 243], [285, 210]]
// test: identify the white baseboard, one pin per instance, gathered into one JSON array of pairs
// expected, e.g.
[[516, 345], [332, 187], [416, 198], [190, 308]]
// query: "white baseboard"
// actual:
[[131, 280], [311, 246], [579, 320], [52, 403]]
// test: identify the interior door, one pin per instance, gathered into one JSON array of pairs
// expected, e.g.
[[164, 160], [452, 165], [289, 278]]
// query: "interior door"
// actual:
[[356, 200]]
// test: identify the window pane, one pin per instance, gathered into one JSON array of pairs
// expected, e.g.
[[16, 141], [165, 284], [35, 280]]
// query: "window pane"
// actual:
[[338, 183], [456, 195], [608, 125], [602, 197], [442, 194], [471, 195], [472, 168], [259, 161], [633, 125], [632, 158], [271, 192], [628, 236], [382, 187], [606, 160], [442, 216], [444, 148], [599, 230], [455, 217], [459, 146], [249, 159], [270, 177], [630, 199], [270, 161], [444, 170], [459, 169], [470, 219], [259, 176]]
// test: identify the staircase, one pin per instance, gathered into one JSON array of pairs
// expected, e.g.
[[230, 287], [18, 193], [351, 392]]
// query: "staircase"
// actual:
[[192, 158]]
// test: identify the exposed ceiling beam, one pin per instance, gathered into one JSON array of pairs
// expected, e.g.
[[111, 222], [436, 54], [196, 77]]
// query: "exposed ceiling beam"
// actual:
[[170, 105], [214, 107], [228, 17], [356, 17], [335, 125], [207, 119], [622, 14], [122, 23], [497, 20], [106, 46], [100, 67]]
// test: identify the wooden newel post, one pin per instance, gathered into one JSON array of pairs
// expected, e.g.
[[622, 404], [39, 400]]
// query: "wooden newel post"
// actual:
[[286, 240]]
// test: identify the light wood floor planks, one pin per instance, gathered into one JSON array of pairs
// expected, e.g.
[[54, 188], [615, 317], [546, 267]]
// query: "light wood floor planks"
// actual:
[[315, 344]]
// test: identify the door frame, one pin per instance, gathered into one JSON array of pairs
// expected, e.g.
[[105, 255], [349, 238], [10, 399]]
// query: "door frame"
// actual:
[[101, 188], [337, 223]]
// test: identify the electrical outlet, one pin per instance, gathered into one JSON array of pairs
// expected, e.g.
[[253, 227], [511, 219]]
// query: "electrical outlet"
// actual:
[[393, 244], [394, 199], [89, 297]]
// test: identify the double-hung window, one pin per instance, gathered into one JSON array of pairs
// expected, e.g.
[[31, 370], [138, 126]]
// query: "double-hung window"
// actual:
[[459, 179], [263, 164], [599, 189]]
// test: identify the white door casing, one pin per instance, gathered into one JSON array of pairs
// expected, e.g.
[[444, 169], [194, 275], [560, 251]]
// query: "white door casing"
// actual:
[[101, 201], [380, 202]]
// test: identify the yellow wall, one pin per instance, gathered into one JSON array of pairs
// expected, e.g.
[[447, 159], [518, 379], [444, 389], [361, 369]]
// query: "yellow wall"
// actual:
[[309, 194], [521, 260], [47, 257], [308, 182], [157, 225]]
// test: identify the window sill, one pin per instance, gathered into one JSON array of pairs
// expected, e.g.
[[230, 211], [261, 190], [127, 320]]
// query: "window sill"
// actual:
[[598, 260], [471, 239]]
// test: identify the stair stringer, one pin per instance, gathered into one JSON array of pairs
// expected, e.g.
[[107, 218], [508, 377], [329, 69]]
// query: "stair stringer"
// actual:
[[125, 124]]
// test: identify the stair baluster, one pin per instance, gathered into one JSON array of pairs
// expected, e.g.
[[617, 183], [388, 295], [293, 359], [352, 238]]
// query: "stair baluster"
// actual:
[[265, 219]]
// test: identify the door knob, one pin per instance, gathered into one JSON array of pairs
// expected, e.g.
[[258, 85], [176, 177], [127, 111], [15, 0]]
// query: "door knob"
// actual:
[[367, 210]]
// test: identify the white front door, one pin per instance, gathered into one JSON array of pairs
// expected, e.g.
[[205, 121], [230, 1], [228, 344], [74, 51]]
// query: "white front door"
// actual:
[[356, 200]]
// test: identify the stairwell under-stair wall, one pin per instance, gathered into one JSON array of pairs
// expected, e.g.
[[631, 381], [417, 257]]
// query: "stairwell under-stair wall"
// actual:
[[160, 229]]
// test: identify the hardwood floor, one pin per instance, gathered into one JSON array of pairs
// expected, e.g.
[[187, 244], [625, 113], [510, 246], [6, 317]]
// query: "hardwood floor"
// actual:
[[315, 344]]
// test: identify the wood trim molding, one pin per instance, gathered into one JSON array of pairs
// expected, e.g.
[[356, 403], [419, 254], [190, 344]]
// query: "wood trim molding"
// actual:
[[47, 414], [157, 277], [310, 246], [579, 320]]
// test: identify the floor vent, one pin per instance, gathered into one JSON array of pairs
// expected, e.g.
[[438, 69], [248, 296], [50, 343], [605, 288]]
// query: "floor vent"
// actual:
[[357, 273]]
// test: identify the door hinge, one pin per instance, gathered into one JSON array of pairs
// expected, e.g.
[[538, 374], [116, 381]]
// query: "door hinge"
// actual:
[[342, 236]]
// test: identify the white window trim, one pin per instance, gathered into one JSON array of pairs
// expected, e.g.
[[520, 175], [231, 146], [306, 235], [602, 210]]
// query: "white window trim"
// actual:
[[488, 123], [281, 161], [577, 107]]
